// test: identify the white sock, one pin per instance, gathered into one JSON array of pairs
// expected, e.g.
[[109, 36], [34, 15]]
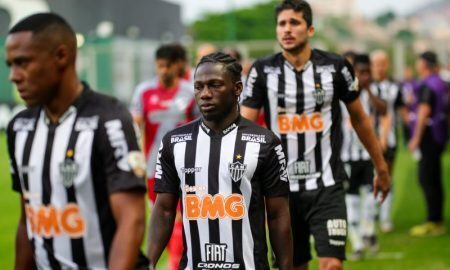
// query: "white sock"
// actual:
[[353, 203], [385, 210], [368, 212]]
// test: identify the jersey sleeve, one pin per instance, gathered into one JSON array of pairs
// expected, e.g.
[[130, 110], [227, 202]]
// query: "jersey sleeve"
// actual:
[[166, 177], [346, 83], [255, 91], [426, 95], [12, 160], [136, 107], [123, 162], [275, 177]]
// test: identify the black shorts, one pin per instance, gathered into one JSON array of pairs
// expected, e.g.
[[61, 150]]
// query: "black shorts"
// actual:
[[321, 213], [389, 154], [360, 173]]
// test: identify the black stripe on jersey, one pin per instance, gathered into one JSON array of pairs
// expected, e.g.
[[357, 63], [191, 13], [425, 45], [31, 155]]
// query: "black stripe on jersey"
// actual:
[[239, 152], [300, 108], [318, 108], [189, 162], [336, 164], [26, 160], [78, 252], [213, 184], [281, 100], [47, 191]]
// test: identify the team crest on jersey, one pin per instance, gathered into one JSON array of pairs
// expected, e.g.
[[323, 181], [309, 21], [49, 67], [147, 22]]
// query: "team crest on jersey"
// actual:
[[319, 95], [237, 170], [68, 170]]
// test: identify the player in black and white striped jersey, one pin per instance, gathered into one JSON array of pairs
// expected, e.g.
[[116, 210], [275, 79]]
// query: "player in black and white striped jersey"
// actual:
[[228, 174], [300, 89], [75, 159], [360, 205]]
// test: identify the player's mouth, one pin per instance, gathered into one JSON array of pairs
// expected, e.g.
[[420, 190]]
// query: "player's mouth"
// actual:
[[288, 40], [207, 107]]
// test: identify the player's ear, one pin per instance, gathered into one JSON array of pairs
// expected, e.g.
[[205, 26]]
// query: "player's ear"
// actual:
[[311, 31], [238, 87]]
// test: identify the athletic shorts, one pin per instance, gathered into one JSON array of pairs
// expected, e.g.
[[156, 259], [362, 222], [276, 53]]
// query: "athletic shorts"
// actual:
[[389, 154], [321, 213], [360, 173]]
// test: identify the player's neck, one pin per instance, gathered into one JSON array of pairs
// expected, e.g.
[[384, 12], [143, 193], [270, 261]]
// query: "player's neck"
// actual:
[[220, 124], [299, 58], [62, 99], [170, 85]]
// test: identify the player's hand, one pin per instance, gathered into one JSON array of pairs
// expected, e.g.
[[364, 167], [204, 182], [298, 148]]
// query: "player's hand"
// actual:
[[413, 144], [381, 183]]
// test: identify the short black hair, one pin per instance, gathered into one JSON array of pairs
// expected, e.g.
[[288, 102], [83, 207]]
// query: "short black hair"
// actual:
[[171, 52], [49, 25], [430, 59], [230, 64], [297, 6], [361, 58], [39, 22]]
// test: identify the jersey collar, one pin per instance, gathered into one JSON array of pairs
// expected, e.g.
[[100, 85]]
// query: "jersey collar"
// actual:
[[224, 132]]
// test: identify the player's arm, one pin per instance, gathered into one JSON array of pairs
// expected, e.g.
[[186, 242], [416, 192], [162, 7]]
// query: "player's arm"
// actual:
[[279, 222], [423, 113], [379, 104], [385, 127], [24, 253], [161, 225], [363, 127], [254, 94], [128, 209]]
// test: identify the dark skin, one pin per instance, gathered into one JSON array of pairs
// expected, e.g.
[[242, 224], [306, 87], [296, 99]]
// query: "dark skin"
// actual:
[[43, 69], [216, 95], [362, 72]]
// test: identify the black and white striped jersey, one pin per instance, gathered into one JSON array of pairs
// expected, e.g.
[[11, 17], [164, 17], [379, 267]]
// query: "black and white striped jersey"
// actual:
[[222, 179], [389, 91], [352, 148], [66, 172], [302, 108]]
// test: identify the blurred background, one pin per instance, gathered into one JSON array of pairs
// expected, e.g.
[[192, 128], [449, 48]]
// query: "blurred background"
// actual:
[[117, 40]]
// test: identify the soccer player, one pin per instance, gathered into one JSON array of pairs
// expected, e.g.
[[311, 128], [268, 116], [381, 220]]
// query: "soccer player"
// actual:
[[158, 107], [429, 137], [229, 174], [360, 205], [390, 92], [300, 89], [75, 159]]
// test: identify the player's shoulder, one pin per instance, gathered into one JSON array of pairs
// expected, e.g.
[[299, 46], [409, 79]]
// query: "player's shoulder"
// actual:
[[146, 85], [182, 133], [104, 106], [326, 57], [252, 132], [24, 120], [269, 60]]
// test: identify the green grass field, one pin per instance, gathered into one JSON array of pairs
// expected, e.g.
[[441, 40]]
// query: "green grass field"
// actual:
[[398, 249]]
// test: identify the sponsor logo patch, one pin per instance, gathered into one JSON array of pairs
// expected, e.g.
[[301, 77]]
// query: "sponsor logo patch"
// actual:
[[214, 207], [257, 138], [181, 138], [24, 124], [295, 123], [86, 123]]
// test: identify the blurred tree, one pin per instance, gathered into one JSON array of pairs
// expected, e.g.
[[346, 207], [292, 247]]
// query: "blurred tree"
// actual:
[[385, 18], [254, 23]]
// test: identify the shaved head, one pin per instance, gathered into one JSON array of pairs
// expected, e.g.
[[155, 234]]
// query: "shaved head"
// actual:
[[380, 65], [49, 31]]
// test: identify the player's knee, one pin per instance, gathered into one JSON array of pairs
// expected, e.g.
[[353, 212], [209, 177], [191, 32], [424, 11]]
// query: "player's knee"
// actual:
[[330, 264]]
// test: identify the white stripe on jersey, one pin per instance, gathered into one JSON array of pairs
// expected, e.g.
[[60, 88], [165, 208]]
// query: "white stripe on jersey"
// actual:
[[36, 164], [201, 179], [226, 157], [326, 79], [179, 163], [86, 200], [291, 138], [272, 92], [251, 151], [59, 196], [310, 136]]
